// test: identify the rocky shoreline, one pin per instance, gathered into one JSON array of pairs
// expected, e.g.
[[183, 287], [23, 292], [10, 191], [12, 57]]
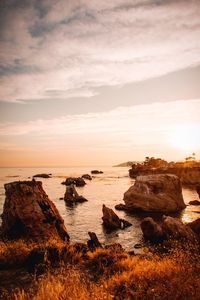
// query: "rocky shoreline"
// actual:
[[32, 223]]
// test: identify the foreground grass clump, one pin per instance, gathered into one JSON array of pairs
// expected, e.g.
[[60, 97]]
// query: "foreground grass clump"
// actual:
[[113, 274]]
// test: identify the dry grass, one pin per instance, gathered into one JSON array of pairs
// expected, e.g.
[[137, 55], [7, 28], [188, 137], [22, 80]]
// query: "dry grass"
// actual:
[[108, 274]]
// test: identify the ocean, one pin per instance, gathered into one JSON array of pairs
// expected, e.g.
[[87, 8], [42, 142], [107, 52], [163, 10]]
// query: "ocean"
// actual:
[[107, 188]]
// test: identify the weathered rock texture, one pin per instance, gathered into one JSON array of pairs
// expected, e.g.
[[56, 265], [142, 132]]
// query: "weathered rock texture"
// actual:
[[195, 226], [155, 193], [111, 221], [71, 196], [29, 213], [187, 175], [93, 243], [77, 181], [169, 228]]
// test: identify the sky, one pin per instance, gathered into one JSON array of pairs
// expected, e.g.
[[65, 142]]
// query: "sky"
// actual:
[[89, 82]]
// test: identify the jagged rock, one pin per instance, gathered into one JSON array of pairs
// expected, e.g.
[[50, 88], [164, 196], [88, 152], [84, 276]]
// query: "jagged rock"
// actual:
[[96, 172], [29, 213], [152, 231], [93, 243], [175, 229], [194, 202], [87, 176], [111, 221], [71, 196], [120, 206], [169, 228], [195, 226], [77, 181], [155, 193], [43, 175]]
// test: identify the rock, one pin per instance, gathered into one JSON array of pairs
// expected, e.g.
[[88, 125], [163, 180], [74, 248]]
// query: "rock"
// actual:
[[43, 175], [170, 228], [120, 206], [87, 176], [28, 213], [194, 202], [116, 247], [79, 182], [152, 231], [198, 190], [96, 172], [173, 228], [111, 221], [93, 243], [71, 196], [138, 246], [195, 226], [155, 193]]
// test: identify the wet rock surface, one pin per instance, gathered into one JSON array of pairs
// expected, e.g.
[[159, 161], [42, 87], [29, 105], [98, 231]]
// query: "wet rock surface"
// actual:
[[71, 196], [96, 172], [86, 176], [111, 221], [155, 193], [77, 181], [194, 202], [28, 213], [43, 175]]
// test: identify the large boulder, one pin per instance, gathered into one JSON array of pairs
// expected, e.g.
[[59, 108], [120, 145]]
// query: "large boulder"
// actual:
[[155, 193], [168, 228], [43, 175], [96, 172], [152, 231], [195, 226], [111, 221], [28, 213]]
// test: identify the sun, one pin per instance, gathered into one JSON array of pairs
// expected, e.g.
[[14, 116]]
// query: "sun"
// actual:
[[186, 137]]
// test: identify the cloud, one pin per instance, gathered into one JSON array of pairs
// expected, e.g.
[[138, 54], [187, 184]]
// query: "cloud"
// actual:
[[69, 45]]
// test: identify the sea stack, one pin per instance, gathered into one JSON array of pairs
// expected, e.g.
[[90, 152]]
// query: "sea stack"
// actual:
[[155, 193], [28, 213]]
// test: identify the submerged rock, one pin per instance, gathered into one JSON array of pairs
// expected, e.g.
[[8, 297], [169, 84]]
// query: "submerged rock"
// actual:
[[169, 228], [86, 176], [29, 213], [77, 181], [194, 202], [155, 193], [43, 175], [71, 196], [111, 221], [120, 206], [96, 172]]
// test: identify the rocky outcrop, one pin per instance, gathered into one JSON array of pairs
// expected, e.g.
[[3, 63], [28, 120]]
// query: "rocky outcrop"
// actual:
[[28, 213], [155, 193], [71, 196], [188, 175], [77, 181], [152, 231], [111, 221], [43, 175], [194, 202], [96, 172], [86, 176], [93, 243], [169, 228], [195, 226]]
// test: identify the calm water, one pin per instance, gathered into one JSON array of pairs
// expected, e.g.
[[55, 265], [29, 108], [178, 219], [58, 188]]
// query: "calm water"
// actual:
[[107, 188]]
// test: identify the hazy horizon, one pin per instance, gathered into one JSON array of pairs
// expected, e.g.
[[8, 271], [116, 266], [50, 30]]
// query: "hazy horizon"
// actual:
[[87, 83]]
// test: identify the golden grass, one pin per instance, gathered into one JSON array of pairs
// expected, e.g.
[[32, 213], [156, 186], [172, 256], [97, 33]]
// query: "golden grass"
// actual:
[[110, 274]]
